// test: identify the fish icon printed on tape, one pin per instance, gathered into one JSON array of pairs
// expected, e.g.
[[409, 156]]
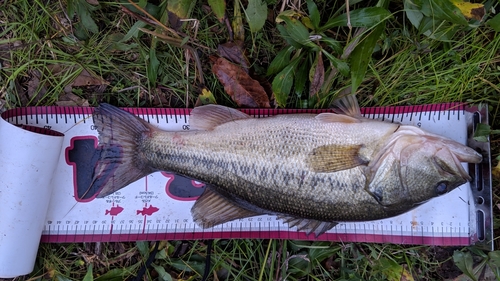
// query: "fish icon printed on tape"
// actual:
[[148, 211], [114, 211]]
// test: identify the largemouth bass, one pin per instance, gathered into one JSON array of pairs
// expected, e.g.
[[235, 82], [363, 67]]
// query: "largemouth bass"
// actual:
[[312, 171]]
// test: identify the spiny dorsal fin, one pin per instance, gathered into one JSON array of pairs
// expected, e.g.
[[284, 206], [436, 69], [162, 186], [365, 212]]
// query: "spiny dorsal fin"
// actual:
[[348, 105], [209, 116], [212, 209], [333, 158], [332, 117], [309, 225]]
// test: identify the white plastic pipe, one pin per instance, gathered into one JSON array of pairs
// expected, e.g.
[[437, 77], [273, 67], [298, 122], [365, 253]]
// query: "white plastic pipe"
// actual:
[[27, 163]]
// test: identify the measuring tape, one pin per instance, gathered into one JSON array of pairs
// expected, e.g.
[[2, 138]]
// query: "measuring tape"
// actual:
[[158, 206]]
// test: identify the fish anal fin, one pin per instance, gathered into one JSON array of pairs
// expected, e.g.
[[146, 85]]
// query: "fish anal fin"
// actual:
[[213, 209], [209, 116], [309, 225], [333, 158], [329, 117]]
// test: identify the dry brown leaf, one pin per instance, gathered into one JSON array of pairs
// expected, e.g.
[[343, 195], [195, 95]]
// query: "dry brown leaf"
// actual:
[[233, 51], [70, 99], [318, 77], [93, 2], [244, 90], [35, 91]]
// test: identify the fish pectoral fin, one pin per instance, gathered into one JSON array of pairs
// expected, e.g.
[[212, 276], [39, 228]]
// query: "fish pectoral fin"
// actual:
[[209, 116], [213, 209], [309, 225], [329, 117], [333, 158]]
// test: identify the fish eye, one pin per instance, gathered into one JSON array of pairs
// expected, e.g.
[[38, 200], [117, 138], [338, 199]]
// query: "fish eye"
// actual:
[[441, 188]]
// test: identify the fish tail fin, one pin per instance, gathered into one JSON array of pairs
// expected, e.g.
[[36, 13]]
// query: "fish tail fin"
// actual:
[[120, 137], [107, 212], [138, 212]]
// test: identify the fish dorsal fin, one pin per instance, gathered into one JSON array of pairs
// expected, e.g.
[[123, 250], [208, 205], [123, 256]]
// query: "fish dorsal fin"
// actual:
[[309, 225], [209, 116], [332, 117], [348, 105], [333, 158], [212, 209]]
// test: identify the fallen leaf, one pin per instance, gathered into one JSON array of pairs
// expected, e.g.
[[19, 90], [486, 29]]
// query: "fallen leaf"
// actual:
[[70, 99], [244, 90], [178, 10], [206, 97], [35, 90], [234, 53], [316, 75], [496, 172], [93, 2], [470, 10]]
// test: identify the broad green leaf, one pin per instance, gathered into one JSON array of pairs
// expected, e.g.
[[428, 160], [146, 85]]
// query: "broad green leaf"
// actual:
[[483, 131], [181, 8], [298, 32], [341, 65], [162, 274], [494, 23], [464, 262], [86, 24], [256, 13], [89, 276], [287, 37], [116, 274], [219, 8], [143, 247], [282, 84], [470, 10], [301, 78], [313, 13], [413, 13], [437, 29], [443, 10], [364, 17], [332, 43], [360, 56], [281, 60]]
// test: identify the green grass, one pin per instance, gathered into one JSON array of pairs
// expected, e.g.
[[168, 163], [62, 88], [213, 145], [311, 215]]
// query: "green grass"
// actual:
[[407, 68]]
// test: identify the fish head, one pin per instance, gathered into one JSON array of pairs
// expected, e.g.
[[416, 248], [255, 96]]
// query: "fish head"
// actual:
[[415, 166]]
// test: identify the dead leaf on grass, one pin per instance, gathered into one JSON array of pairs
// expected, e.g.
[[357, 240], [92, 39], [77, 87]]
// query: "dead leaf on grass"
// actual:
[[35, 90], [316, 75], [84, 79], [70, 99], [244, 90], [234, 52]]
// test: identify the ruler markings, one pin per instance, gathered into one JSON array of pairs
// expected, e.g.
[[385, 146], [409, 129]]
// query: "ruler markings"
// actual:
[[245, 225]]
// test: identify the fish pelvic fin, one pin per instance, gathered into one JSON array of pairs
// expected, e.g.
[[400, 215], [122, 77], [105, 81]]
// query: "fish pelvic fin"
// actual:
[[212, 209], [309, 225], [120, 161], [333, 158], [209, 116], [348, 105]]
